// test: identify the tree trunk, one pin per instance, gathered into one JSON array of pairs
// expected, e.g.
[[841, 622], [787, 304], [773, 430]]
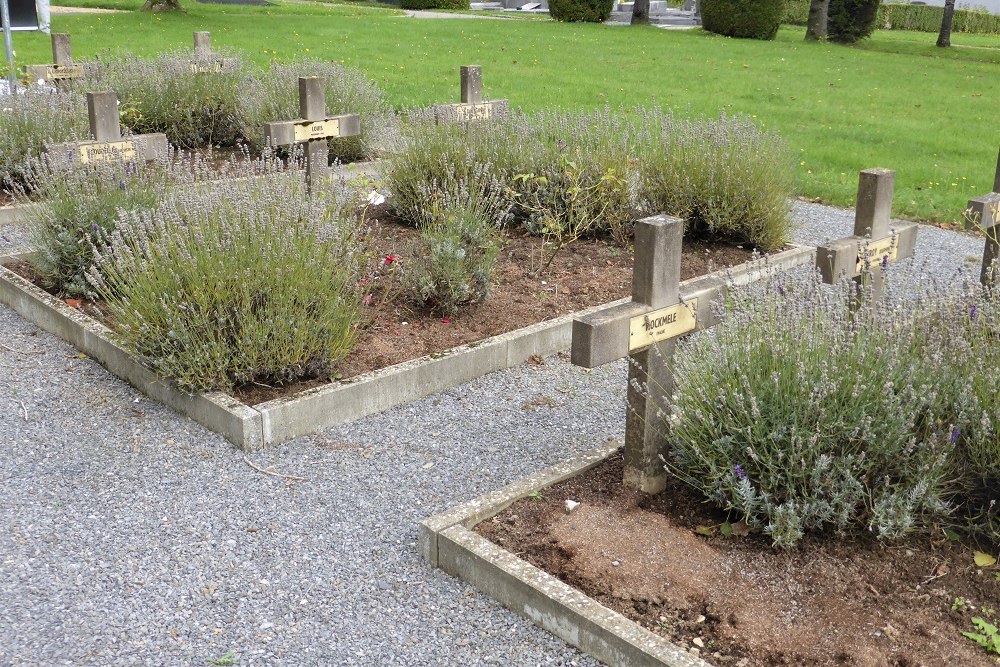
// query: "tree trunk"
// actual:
[[162, 6], [944, 37], [640, 12], [816, 26]]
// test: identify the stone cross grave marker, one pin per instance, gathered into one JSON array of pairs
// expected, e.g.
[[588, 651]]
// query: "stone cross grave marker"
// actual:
[[656, 315], [205, 60], [984, 213], [472, 107], [62, 66], [108, 143], [313, 129], [875, 240]]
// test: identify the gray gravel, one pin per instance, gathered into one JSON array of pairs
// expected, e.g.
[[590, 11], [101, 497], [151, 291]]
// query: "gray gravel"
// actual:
[[132, 535]]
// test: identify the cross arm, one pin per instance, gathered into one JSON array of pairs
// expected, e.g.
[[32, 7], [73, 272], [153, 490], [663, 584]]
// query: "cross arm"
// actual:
[[602, 337], [984, 212], [843, 258], [287, 132]]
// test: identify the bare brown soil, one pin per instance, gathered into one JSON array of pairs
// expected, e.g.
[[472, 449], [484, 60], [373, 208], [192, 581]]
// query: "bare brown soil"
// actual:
[[833, 601], [585, 273]]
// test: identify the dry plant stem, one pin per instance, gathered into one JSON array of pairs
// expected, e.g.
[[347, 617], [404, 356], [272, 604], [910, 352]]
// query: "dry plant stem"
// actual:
[[24, 410], [16, 351], [271, 472]]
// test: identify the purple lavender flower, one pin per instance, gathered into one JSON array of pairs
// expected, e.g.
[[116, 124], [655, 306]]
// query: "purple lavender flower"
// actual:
[[973, 312], [955, 432], [885, 262], [739, 472], [781, 291]]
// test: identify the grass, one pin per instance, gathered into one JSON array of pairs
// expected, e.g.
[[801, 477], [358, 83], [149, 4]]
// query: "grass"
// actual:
[[895, 101]]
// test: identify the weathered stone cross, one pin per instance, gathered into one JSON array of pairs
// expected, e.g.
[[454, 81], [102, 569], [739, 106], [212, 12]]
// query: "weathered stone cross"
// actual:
[[313, 129], [661, 310], [205, 60], [472, 107], [62, 66], [108, 143], [984, 213], [875, 240], [655, 315]]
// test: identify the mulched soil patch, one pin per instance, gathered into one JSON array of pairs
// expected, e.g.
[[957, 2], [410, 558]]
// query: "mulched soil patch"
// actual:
[[842, 600], [586, 273]]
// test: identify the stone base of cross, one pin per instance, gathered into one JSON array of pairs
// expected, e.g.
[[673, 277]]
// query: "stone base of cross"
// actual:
[[313, 128], [876, 241], [472, 107], [62, 67], [983, 213], [108, 143]]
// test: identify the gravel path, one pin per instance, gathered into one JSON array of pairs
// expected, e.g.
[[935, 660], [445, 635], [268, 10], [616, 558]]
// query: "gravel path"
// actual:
[[132, 535]]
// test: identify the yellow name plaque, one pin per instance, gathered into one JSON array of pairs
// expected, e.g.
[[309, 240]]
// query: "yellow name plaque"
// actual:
[[876, 251], [55, 72], [112, 150], [320, 129], [662, 324]]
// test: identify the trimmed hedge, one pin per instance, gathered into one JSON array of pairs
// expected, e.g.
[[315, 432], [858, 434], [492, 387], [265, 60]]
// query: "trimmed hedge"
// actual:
[[923, 18], [752, 19], [581, 11], [435, 4], [796, 12], [850, 21]]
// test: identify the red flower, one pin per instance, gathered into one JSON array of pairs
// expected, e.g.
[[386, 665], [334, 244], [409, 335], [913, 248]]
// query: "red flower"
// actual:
[[389, 259], [445, 320]]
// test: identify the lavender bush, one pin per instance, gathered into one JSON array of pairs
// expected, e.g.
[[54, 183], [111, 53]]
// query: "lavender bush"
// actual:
[[800, 415], [459, 245], [77, 209], [29, 121], [169, 94], [725, 178], [273, 95], [253, 280], [570, 174]]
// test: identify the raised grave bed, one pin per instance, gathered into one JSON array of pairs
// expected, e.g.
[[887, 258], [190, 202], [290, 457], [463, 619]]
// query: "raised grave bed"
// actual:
[[635, 579], [399, 362]]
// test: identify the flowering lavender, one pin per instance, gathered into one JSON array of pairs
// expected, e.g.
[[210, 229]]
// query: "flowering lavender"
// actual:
[[252, 279], [30, 120], [800, 414]]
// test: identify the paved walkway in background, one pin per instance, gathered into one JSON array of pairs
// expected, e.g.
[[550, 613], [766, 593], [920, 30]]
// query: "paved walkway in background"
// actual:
[[132, 535]]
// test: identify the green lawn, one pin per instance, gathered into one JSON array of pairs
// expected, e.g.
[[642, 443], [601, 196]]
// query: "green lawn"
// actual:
[[895, 101]]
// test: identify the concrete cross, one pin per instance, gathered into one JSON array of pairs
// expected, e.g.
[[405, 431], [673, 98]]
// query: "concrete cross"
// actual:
[[313, 128], [108, 143], [656, 315], [62, 66], [875, 241], [472, 107], [984, 213], [205, 60]]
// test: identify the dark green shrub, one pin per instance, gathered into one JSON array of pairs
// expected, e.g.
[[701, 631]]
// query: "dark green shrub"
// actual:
[[849, 21], [434, 4], [581, 11], [752, 19], [246, 280], [796, 12]]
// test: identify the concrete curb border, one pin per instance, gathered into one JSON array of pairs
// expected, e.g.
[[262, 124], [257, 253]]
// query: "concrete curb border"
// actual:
[[280, 420], [446, 541]]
